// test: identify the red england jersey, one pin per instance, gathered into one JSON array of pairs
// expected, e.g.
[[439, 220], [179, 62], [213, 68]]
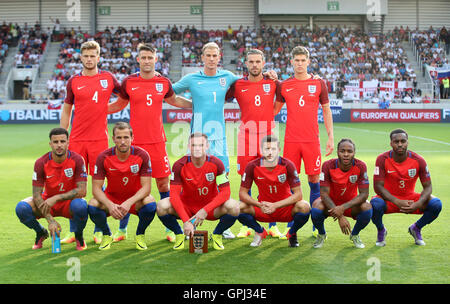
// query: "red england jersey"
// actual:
[[255, 100], [274, 184], [400, 178], [146, 98], [302, 98], [124, 177], [344, 185], [199, 185], [58, 178], [90, 95]]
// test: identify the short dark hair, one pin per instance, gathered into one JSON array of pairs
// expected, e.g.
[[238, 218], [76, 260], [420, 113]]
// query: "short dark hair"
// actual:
[[58, 131], [146, 47], [299, 50], [346, 140], [270, 139], [398, 131], [122, 125], [255, 52]]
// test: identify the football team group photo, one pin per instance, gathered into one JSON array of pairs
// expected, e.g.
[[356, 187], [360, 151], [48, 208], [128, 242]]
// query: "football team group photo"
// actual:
[[289, 182]]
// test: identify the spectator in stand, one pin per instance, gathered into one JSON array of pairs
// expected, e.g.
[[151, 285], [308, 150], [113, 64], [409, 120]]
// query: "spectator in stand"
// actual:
[[446, 85], [417, 98], [443, 36], [384, 104], [427, 99], [437, 89], [407, 98], [26, 88], [56, 29]]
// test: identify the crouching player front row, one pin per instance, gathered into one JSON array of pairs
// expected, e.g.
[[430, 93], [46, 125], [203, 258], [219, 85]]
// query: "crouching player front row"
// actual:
[[280, 194], [340, 181], [127, 170], [59, 185], [395, 177], [199, 190]]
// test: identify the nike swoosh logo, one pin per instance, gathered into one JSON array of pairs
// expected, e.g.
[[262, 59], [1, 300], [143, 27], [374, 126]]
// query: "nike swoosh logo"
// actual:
[[390, 171], [287, 90], [79, 88], [181, 243], [49, 176], [132, 89], [260, 177], [112, 169], [200, 82], [218, 245], [244, 90], [189, 179]]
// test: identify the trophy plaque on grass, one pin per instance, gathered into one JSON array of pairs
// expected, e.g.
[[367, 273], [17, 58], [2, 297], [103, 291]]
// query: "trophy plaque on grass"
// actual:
[[199, 242]]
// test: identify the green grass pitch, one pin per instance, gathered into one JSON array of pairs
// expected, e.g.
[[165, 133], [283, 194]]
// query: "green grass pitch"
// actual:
[[401, 261]]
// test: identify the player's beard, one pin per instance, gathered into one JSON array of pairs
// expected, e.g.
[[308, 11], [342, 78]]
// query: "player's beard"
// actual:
[[123, 148], [255, 73], [60, 152]]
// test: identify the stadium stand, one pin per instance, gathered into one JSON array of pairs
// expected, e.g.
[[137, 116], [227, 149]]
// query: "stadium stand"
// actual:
[[427, 43], [32, 43], [7, 32], [118, 49], [193, 41], [342, 56], [338, 54]]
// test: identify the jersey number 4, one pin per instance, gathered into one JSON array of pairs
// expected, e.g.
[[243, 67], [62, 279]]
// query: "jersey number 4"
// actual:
[[95, 97]]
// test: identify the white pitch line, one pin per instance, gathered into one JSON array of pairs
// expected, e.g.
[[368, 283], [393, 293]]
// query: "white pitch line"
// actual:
[[384, 133]]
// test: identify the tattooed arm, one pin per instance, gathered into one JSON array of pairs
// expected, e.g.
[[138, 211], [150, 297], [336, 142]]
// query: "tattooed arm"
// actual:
[[44, 209], [45, 206]]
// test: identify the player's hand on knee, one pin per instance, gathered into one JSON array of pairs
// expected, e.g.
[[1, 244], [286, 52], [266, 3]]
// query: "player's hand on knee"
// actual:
[[44, 208], [115, 212], [123, 209], [345, 225], [199, 217], [336, 212], [402, 203], [267, 207], [410, 208]]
